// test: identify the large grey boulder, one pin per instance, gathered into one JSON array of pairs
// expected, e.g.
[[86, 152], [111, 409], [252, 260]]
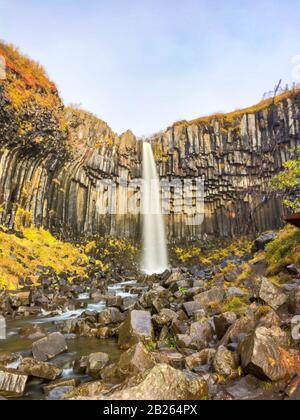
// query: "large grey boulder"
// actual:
[[136, 328], [49, 347]]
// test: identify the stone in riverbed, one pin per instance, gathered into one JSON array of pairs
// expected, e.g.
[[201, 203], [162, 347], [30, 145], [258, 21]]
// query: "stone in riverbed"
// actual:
[[270, 294], [96, 362], [136, 360], [136, 328], [49, 347], [42, 370], [12, 383], [58, 393], [32, 332], [110, 316], [165, 317], [73, 382], [163, 383]]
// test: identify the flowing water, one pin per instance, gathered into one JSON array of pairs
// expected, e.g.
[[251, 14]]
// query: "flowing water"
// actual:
[[77, 347], [155, 257]]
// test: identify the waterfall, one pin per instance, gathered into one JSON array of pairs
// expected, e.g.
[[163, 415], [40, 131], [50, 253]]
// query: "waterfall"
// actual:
[[155, 256]]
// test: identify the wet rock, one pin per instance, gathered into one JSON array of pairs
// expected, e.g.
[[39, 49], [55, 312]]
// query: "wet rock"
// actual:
[[136, 328], [294, 302], [197, 361], [114, 301], [201, 335], [59, 393], [49, 347], [96, 362], [80, 365], [174, 278], [261, 356], [225, 362], [270, 294], [32, 332], [32, 367], [223, 322], [12, 383], [164, 383], [261, 242], [110, 316], [72, 382], [136, 360]]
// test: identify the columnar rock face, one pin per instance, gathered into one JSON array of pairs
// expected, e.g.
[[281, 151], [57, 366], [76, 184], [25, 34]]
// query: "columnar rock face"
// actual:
[[71, 171]]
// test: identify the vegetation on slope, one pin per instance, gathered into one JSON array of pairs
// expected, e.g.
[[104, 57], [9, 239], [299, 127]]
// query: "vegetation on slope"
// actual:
[[30, 250], [235, 116]]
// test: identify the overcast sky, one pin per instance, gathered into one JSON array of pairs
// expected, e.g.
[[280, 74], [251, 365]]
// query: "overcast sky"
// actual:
[[143, 64]]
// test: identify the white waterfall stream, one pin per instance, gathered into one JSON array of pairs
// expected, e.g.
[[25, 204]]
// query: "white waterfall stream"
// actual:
[[155, 256]]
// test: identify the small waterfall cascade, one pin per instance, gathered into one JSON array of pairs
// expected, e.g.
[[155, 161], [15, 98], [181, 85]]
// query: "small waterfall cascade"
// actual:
[[155, 255]]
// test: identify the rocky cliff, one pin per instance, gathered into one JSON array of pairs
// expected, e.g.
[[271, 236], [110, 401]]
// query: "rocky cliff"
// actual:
[[58, 163]]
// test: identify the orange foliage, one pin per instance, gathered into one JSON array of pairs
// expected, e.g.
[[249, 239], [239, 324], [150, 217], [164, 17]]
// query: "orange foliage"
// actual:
[[29, 71]]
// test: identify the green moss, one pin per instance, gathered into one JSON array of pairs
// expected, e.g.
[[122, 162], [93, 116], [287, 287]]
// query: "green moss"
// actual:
[[283, 251], [236, 304]]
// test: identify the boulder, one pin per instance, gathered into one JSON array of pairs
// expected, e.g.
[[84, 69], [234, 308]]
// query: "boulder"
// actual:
[[164, 318], [201, 334], [32, 332], [213, 296], [49, 347], [261, 356], [271, 294], [262, 241], [234, 292], [136, 360], [240, 328], [294, 302], [136, 328], [59, 393], [247, 389], [12, 383], [163, 383], [192, 307], [32, 367], [225, 362], [110, 316], [96, 362], [198, 361], [223, 322], [72, 382]]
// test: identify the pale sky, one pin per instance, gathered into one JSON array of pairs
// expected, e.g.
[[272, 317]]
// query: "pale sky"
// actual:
[[144, 64]]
